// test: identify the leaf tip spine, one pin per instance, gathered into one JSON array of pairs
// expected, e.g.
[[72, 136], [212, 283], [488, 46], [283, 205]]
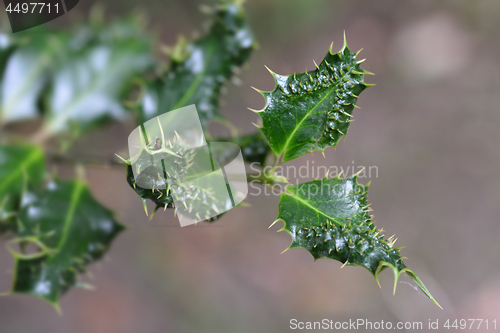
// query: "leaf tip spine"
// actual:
[[344, 47], [270, 71], [330, 49]]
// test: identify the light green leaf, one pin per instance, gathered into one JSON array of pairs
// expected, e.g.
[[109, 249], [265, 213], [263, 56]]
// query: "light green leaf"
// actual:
[[199, 69], [89, 86], [311, 111], [330, 218], [6, 47], [71, 230], [26, 72], [18, 166]]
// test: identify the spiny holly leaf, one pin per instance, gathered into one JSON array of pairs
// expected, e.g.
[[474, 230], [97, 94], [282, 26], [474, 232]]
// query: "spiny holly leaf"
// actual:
[[161, 197], [199, 69], [330, 218], [90, 84], [162, 167], [26, 72], [158, 196], [311, 111], [71, 230], [18, 166]]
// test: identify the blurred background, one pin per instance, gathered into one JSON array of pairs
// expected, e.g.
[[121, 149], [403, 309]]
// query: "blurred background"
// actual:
[[430, 125]]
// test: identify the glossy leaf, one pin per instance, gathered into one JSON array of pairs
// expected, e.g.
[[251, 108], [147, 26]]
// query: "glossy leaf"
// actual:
[[89, 74], [199, 69], [71, 230], [330, 218], [91, 83], [158, 196], [311, 111], [26, 72], [18, 166]]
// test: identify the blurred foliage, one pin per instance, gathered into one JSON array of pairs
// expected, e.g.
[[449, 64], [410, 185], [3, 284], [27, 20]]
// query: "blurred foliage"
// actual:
[[199, 69], [74, 80], [68, 82], [254, 147], [71, 82]]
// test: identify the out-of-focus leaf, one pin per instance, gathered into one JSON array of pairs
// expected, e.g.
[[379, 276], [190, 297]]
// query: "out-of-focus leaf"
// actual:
[[89, 74], [311, 111], [71, 230], [91, 83], [26, 71], [330, 218], [254, 147], [89, 87], [18, 166], [6, 48], [199, 69]]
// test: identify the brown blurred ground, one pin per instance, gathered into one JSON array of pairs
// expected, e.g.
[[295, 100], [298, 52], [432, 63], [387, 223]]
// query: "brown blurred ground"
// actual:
[[430, 125]]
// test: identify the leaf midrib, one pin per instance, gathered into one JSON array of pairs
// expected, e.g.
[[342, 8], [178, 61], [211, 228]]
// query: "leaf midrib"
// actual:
[[74, 201], [313, 208], [283, 152]]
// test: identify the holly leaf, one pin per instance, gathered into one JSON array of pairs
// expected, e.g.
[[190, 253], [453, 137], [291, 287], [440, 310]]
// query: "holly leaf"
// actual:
[[26, 71], [89, 86], [199, 69], [18, 166], [160, 196], [330, 218], [160, 177], [311, 111], [71, 230]]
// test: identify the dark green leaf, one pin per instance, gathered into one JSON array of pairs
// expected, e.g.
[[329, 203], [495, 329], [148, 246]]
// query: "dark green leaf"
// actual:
[[158, 196], [199, 69], [162, 183], [311, 111], [161, 197], [71, 230], [330, 218]]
